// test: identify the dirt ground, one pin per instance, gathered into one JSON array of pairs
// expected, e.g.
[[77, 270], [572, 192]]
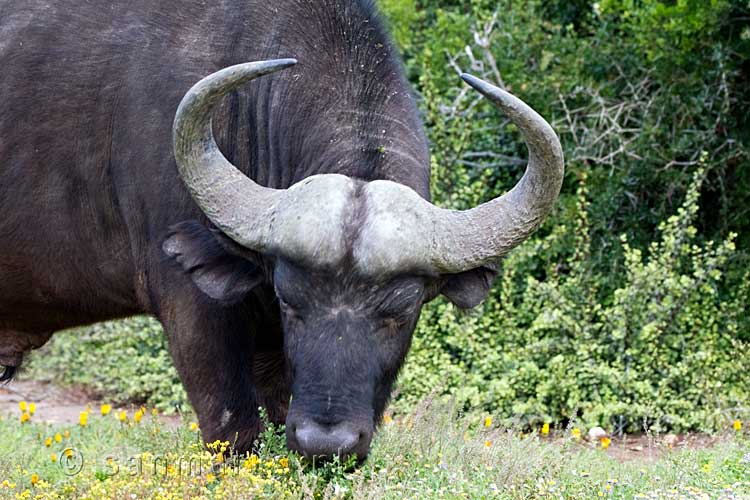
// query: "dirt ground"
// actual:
[[54, 404], [63, 406], [649, 448]]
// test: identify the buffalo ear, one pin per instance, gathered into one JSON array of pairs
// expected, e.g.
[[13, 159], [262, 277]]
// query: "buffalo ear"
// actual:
[[468, 289], [221, 269]]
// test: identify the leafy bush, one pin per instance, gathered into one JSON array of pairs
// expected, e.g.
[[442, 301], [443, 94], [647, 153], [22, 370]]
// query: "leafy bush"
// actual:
[[125, 360], [661, 351], [609, 312]]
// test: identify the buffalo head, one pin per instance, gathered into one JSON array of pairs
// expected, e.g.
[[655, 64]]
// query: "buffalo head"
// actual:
[[353, 262]]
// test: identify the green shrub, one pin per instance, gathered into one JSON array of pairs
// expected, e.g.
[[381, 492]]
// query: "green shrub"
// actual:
[[662, 351], [125, 360]]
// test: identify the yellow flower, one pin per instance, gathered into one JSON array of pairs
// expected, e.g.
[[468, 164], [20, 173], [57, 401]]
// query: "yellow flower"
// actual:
[[251, 462], [58, 438], [83, 418], [737, 425], [48, 442], [605, 442], [32, 408], [210, 478], [194, 427], [105, 409], [53, 457], [707, 467], [66, 434], [69, 452], [138, 416], [387, 419], [154, 412], [122, 416], [284, 462], [25, 417], [487, 421], [23, 406], [488, 444], [545, 429], [34, 479], [576, 433]]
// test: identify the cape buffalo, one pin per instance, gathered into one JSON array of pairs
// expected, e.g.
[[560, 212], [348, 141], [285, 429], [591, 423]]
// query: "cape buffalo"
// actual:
[[288, 258]]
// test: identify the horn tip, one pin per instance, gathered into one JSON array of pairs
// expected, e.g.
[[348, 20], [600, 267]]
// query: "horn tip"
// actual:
[[482, 86], [273, 65]]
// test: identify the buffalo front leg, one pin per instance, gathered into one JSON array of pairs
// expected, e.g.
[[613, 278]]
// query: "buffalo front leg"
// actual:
[[212, 348], [273, 384]]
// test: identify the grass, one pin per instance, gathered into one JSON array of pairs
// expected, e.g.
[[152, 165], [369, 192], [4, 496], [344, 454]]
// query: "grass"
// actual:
[[430, 454]]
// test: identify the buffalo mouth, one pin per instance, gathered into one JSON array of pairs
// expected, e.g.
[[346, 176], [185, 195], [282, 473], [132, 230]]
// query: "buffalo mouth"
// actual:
[[317, 440]]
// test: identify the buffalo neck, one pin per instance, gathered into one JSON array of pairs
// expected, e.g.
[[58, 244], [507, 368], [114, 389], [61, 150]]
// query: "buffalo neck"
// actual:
[[347, 106]]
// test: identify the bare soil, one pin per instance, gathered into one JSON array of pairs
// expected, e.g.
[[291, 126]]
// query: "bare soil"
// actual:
[[647, 448], [57, 405]]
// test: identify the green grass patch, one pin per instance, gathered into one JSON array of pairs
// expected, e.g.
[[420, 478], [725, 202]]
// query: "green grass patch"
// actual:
[[429, 454]]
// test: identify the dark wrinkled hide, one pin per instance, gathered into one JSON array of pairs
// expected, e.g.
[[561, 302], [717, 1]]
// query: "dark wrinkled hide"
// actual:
[[89, 196]]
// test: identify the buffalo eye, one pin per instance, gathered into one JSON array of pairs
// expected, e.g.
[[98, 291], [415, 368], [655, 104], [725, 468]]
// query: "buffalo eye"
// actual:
[[291, 295], [290, 304], [285, 306], [398, 318], [400, 305]]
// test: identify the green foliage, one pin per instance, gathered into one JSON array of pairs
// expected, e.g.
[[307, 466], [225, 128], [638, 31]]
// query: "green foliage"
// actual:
[[127, 361], [664, 29], [662, 351], [609, 313]]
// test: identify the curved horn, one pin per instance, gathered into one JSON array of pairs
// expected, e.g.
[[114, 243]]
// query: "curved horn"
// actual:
[[405, 232], [478, 236], [219, 188]]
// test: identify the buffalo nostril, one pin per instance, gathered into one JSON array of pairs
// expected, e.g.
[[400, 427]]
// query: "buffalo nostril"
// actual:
[[324, 440]]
